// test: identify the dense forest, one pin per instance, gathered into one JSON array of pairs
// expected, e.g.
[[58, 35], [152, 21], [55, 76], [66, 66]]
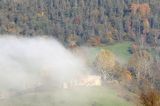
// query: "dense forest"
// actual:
[[81, 21], [111, 30]]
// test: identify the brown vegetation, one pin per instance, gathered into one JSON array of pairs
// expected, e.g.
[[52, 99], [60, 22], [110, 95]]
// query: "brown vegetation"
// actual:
[[94, 40], [139, 59], [143, 9], [72, 40], [150, 98]]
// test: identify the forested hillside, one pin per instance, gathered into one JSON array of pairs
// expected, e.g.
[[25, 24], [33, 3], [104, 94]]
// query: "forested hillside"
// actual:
[[100, 21], [113, 42]]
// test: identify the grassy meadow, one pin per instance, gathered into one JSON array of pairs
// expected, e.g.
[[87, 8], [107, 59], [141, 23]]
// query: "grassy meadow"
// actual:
[[85, 96], [120, 50]]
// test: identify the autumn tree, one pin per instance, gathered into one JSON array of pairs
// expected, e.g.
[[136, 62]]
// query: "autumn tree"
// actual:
[[143, 9], [105, 62], [141, 61]]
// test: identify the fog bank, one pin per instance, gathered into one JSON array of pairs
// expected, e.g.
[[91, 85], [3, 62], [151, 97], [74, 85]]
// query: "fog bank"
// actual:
[[29, 62]]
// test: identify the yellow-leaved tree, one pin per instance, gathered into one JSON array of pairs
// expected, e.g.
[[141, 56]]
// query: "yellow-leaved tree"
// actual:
[[105, 62]]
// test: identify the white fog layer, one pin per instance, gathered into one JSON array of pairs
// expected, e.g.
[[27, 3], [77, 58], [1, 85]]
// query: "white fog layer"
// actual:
[[27, 62]]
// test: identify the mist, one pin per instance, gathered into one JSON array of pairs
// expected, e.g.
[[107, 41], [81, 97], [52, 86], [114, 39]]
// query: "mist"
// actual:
[[29, 62]]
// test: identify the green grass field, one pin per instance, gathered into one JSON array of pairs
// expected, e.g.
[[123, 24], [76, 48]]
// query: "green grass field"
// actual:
[[120, 50], [91, 96]]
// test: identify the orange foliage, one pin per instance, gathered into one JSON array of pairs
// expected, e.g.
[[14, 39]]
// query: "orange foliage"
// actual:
[[94, 40], [143, 9], [127, 75], [123, 73]]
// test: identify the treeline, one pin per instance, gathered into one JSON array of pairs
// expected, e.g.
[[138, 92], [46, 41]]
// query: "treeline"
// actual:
[[100, 21]]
